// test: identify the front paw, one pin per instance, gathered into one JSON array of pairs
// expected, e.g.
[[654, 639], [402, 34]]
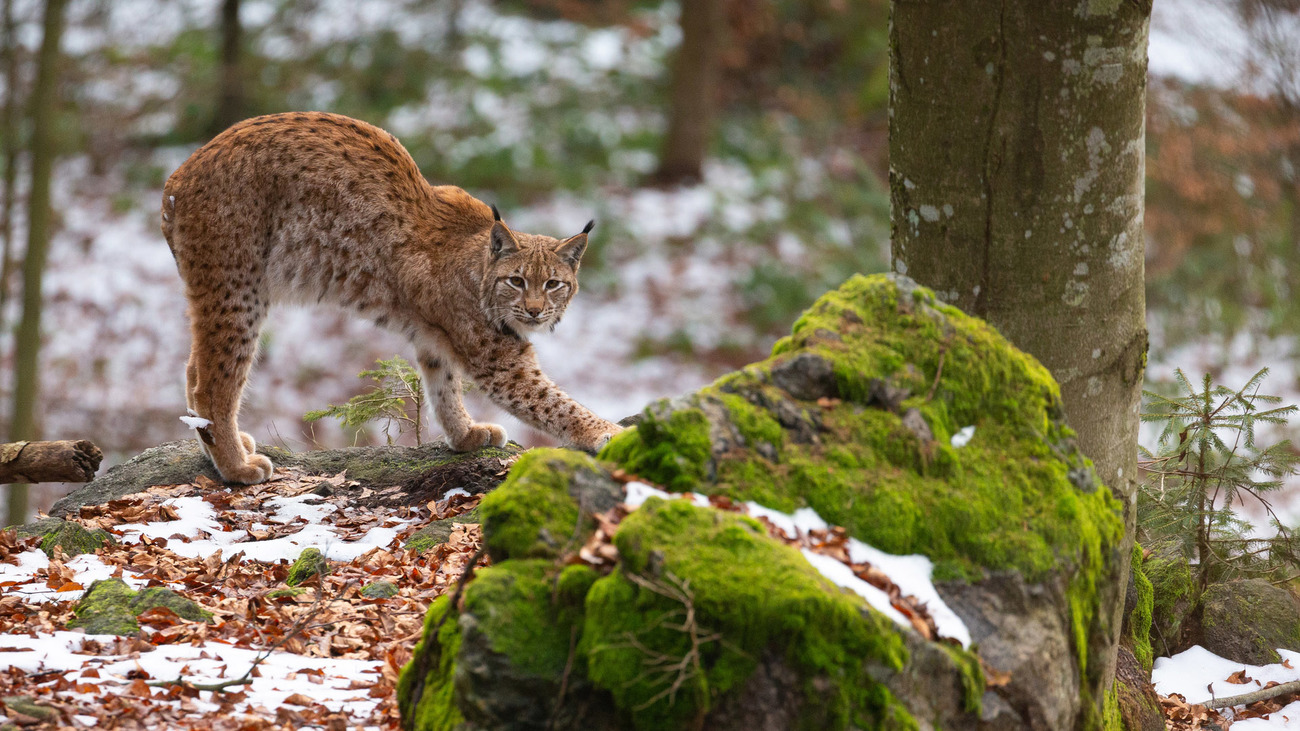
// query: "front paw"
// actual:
[[478, 436], [599, 439], [257, 468]]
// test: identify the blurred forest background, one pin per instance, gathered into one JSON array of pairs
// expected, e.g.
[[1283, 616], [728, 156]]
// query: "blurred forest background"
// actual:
[[733, 153]]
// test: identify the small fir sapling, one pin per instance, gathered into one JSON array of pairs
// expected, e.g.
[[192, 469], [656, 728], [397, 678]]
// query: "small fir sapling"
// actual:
[[1209, 461], [397, 398]]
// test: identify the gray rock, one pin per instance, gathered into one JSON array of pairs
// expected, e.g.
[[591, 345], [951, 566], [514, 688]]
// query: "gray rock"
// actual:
[[1248, 620], [173, 463], [807, 377], [1021, 629]]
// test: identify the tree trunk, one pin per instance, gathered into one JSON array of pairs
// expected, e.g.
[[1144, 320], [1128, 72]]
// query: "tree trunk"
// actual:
[[9, 131], [65, 461], [28, 343], [1016, 185], [230, 97], [693, 101]]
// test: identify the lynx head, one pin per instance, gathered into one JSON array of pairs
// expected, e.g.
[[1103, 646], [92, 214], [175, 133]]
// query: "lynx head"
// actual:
[[530, 279]]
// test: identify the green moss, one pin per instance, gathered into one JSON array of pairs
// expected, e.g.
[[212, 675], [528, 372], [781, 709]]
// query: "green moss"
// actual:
[[972, 677], [671, 449], [310, 563], [426, 693], [74, 539], [532, 515], [1140, 617], [515, 606], [750, 597], [105, 609], [111, 607], [437, 532], [1112, 719], [279, 594], [379, 590], [754, 424]]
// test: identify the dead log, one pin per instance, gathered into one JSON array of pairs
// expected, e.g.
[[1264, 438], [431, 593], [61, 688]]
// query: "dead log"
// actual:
[[64, 461]]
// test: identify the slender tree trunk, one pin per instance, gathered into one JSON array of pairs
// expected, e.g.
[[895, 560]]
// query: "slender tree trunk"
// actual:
[[693, 102], [8, 130], [230, 97], [1016, 143], [26, 371]]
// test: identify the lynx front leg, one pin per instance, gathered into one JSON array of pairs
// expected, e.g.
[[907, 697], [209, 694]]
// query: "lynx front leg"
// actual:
[[442, 385], [513, 381]]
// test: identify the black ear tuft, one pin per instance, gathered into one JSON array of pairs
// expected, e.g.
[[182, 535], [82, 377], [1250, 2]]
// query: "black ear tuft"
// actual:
[[496, 215], [590, 225]]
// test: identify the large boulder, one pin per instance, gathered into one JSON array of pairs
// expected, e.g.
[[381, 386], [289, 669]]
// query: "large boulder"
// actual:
[[706, 622], [1247, 620]]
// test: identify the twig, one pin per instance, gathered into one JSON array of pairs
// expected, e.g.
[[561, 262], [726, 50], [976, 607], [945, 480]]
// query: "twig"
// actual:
[[246, 678], [1246, 699], [943, 352], [564, 679]]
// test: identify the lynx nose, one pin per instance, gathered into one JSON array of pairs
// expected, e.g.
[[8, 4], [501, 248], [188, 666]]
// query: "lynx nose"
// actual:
[[533, 311]]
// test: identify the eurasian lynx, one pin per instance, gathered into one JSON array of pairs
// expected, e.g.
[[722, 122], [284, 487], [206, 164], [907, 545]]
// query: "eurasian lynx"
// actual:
[[314, 207]]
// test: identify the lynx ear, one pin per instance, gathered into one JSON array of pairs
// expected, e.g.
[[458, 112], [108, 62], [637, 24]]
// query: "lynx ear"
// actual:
[[572, 249], [503, 241]]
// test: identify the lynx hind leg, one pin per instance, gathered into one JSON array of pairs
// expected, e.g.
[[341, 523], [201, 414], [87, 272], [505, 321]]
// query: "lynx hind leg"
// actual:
[[442, 385], [224, 346]]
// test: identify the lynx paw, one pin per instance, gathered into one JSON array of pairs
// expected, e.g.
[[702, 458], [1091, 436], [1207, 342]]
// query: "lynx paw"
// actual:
[[479, 435], [594, 445], [257, 468], [250, 445]]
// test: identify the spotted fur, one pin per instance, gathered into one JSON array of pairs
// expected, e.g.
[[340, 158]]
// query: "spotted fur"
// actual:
[[321, 208]]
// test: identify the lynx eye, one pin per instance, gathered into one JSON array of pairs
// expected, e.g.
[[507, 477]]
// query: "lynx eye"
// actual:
[[517, 282], [553, 284]]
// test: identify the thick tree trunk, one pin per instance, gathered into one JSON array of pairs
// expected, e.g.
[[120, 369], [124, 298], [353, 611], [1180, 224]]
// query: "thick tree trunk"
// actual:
[[1016, 181], [693, 103], [65, 461], [9, 131], [230, 97], [28, 343]]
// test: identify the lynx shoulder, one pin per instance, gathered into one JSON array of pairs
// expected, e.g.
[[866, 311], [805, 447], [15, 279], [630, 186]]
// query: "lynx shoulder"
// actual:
[[321, 208]]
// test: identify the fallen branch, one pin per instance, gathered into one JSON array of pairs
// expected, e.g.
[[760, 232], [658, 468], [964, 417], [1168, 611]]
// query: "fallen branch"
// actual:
[[1246, 699], [65, 461]]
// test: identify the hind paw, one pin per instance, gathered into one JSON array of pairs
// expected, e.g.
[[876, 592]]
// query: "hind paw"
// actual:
[[250, 445], [257, 468]]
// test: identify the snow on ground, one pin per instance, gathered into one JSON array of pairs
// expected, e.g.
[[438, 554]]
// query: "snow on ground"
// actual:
[[910, 573], [329, 681], [1199, 675], [229, 551]]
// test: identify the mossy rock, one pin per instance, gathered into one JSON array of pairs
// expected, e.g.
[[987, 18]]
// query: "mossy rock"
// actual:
[[110, 607], [437, 532], [379, 590], [28, 706], [1173, 598], [1248, 620], [310, 564], [1139, 602], [285, 594], [74, 539], [419, 470], [852, 416]]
